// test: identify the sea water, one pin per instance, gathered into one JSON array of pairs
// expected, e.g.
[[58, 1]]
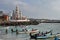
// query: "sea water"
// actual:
[[43, 27]]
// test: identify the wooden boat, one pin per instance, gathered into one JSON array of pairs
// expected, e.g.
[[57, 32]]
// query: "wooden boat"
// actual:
[[45, 37], [42, 36], [26, 31], [34, 31], [23, 32], [56, 37]]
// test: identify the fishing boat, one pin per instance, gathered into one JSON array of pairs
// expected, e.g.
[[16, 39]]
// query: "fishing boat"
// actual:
[[57, 37], [34, 31], [23, 31], [31, 31], [45, 37], [26, 31], [42, 35]]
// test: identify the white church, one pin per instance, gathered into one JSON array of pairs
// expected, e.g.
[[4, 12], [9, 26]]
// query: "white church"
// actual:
[[17, 16]]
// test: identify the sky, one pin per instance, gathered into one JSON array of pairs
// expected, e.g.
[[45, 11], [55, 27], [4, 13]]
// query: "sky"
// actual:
[[41, 9]]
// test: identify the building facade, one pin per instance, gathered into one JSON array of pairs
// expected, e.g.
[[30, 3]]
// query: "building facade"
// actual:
[[3, 17], [17, 14]]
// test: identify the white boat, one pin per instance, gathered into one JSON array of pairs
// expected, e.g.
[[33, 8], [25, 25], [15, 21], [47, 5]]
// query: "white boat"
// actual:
[[32, 31], [57, 37], [23, 32]]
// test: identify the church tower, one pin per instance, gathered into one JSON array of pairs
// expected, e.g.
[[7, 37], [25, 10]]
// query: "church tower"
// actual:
[[13, 15], [17, 15]]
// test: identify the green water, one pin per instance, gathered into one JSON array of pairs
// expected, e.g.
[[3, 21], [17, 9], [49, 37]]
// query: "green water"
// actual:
[[42, 27]]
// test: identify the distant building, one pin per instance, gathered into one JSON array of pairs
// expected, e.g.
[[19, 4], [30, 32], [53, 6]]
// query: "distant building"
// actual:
[[3, 17], [18, 17], [24, 18], [1, 13], [17, 14]]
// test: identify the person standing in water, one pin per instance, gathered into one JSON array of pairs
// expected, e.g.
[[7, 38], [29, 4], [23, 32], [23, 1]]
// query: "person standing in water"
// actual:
[[6, 31], [11, 30], [16, 31]]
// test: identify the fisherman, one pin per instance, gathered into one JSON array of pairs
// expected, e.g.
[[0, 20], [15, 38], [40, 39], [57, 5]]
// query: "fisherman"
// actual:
[[23, 30], [39, 34], [42, 33], [6, 31], [46, 32], [11, 30], [35, 36], [51, 33], [26, 30], [32, 29], [16, 31], [30, 35]]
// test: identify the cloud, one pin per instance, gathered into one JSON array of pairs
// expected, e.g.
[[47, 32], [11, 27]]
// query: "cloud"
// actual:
[[34, 8]]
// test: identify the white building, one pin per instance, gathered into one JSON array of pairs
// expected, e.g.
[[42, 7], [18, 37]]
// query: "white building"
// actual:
[[17, 15]]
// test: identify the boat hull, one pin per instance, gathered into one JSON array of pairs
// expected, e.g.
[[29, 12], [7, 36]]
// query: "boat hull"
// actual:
[[41, 37], [46, 37]]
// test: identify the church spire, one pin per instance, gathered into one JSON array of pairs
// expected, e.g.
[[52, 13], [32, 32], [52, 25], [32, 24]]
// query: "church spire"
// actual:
[[17, 12], [13, 15], [17, 9]]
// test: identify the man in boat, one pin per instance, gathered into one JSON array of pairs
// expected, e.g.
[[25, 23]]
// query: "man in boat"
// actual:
[[49, 32], [26, 30], [38, 34], [32, 29], [23, 30], [42, 33], [33, 36]]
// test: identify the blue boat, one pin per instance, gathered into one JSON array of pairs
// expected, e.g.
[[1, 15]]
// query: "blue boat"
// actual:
[[44, 36], [56, 38]]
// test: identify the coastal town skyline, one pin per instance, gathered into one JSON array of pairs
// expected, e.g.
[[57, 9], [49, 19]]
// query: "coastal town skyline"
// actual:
[[42, 9]]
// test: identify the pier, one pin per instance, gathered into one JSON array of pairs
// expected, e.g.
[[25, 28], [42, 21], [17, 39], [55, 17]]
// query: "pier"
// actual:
[[17, 23]]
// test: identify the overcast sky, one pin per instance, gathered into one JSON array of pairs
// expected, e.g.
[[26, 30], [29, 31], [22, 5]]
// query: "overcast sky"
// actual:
[[47, 9]]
